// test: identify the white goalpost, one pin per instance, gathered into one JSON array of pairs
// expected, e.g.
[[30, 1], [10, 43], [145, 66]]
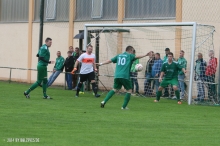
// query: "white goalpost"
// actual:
[[144, 27]]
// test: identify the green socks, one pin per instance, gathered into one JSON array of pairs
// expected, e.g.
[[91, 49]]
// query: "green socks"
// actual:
[[159, 93], [109, 95], [177, 93], [126, 100], [44, 86], [33, 86]]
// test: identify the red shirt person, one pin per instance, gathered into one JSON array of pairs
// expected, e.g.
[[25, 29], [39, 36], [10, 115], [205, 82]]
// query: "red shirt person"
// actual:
[[210, 75]]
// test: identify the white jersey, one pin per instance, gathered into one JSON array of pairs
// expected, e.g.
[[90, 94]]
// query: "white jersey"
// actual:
[[87, 63]]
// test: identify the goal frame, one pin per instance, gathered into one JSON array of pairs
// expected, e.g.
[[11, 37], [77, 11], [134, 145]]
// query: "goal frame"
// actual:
[[193, 48]]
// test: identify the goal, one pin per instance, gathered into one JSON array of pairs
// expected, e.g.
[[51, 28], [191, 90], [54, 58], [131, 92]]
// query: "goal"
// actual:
[[111, 39]]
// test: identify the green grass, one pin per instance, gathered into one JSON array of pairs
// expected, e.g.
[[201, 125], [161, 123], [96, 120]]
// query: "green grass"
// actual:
[[67, 120]]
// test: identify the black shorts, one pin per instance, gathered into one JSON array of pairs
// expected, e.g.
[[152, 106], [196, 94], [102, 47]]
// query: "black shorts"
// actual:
[[90, 76]]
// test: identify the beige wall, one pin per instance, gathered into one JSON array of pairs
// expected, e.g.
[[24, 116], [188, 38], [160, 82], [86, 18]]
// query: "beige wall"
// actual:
[[13, 50]]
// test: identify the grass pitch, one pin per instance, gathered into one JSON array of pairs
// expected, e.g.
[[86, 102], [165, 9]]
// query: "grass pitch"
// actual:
[[70, 121]]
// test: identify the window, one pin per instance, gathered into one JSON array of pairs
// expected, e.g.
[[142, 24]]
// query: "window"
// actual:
[[51, 9], [150, 9], [14, 10], [97, 6], [96, 9]]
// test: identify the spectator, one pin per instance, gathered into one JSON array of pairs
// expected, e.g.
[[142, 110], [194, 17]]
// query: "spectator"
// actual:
[[58, 68], [156, 70], [133, 75], [181, 76], [71, 49], [147, 83], [200, 77], [76, 55], [210, 75], [69, 62]]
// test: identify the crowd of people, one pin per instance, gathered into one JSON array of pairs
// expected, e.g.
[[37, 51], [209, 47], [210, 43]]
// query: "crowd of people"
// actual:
[[160, 74], [204, 76]]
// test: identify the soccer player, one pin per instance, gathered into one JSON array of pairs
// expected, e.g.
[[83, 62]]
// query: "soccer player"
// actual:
[[170, 69], [44, 57], [122, 74], [87, 70]]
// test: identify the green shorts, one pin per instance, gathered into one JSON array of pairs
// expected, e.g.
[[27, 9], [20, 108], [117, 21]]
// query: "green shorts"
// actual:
[[166, 82], [119, 82], [41, 72]]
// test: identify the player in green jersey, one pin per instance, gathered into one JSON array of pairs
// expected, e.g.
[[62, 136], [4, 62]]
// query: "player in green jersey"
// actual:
[[122, 74], [170, 71], [44, 57]]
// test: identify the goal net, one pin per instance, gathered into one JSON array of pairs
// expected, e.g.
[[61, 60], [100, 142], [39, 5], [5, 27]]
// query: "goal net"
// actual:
[[196, 40]]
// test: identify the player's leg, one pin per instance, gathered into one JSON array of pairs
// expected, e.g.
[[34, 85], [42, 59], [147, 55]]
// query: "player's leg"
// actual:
[[91, 78], [174, 83], [83, 78], [37, 83], [164, 83], [117, 85], [45, 81], [127, 85]]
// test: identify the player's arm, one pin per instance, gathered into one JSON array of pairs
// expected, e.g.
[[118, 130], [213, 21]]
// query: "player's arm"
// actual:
[[141, 56], [106, 62], [161, 76], [41, 55]]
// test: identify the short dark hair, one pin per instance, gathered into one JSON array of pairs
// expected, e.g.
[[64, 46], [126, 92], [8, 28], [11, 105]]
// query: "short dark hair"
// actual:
[[77, 48], [129, 48], [58, 51], [182, 51], [167, 49], [170, 53], [69, 52], [157, 54], [89, 46], [48, 39]]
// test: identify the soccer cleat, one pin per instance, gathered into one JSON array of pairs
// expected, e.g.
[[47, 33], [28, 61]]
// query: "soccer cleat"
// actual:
[[47, 97], [102, 104], [81, 92], [97, 95], [26, 95], [156, 100], [174, 97], [179, 102], [77, 95], [124, 108]]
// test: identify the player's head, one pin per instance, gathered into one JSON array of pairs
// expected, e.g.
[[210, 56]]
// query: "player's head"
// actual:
[[48, 42], [211, 53], [77, 49], [58, 53], [157, 56], [69, 53], [89, 49], [170, 56], [200, 56], [167, 50], [134, 52], [182, 53], [71, 48], [129, 49]]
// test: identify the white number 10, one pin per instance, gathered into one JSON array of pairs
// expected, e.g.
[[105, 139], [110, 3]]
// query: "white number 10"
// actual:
[[121, 61]]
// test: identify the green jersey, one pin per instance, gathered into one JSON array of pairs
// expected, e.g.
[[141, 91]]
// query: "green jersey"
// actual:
[[133, 65], [45, 53], [171, 70], [183, 62], [123, 65], [59, 63]]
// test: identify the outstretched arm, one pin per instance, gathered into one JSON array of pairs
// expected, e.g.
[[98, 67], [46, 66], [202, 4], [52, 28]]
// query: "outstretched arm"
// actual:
[[106, 62], [141, 56]]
